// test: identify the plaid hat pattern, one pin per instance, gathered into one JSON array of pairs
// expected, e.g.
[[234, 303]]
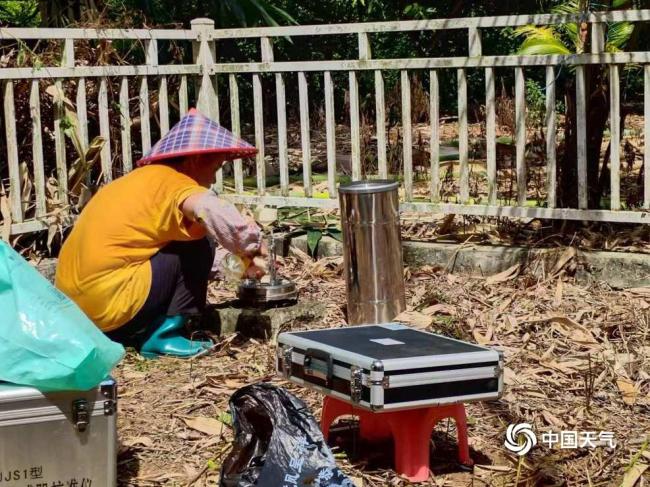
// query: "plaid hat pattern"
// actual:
[[196, 134]]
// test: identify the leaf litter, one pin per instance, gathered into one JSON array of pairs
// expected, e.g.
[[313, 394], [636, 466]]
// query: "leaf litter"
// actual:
[[576, 359]]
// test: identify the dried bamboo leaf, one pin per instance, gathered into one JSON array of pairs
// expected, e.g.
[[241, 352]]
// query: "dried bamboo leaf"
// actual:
[[415, 319], [209, 426], [634, 474], [507, 275], [628, 390], [28, 186], [564, 259]]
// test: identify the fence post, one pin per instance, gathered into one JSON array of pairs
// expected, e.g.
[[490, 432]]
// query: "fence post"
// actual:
[[204, 53]]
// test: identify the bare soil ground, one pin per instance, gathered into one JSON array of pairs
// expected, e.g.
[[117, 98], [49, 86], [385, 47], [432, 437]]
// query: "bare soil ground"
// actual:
[[577, 360]]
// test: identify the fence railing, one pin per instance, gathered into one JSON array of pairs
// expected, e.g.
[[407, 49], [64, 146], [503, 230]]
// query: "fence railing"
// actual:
[[30, 210]]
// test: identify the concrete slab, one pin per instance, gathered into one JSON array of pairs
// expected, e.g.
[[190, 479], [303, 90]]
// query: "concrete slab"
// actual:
[[619, 270], [263, 324]]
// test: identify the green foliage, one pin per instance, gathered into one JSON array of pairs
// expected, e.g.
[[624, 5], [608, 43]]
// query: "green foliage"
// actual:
[[226, 13], [536, 102], [225, 417], [540, 40], [618, 34], [19, 13], [315, 234], [566, 38]]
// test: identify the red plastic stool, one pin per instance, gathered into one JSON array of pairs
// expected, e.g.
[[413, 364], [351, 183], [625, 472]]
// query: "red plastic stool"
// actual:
[[410, 430]]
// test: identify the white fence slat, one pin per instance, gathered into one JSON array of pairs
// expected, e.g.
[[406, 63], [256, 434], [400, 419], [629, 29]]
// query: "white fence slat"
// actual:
[[474, 39], [434, 144], [266, 52], [163, 106], [330, 134], [581, 136], [69, 62], [364, 46], [37, 148], [380, 110], [68, 53], [151, 52], [355, 134], [407, 140], [455, 209], [597, 37], [551, 136], [50, 73], [82, 111], [145, 126], [183, 104], [491, 135], [304, 132], [640, 57], [432, 24], [646, 150], [416, 63], [329, 29], [125, 126], [105, 130], [236, 129], [463, 137], [151, 55], [266, 45], [520, 135], [59, 145], [283, 155], [15, 180], [641, 217], [14, 33], [258, 109], [615, 137]]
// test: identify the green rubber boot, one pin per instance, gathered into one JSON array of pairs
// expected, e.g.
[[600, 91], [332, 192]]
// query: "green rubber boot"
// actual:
[[167, 340]]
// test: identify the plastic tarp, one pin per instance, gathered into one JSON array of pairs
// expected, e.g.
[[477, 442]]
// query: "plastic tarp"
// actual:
[[46, 341], [277, 443]]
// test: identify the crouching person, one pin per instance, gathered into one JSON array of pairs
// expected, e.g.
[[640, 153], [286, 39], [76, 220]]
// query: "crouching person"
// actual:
[[139, 257]]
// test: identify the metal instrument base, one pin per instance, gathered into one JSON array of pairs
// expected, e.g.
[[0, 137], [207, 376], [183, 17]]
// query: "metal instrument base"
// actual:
[[259, 294]]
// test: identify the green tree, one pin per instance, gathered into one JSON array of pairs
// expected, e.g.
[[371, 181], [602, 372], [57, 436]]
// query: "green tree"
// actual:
[[19, 13], [59, 13], [575, 39]]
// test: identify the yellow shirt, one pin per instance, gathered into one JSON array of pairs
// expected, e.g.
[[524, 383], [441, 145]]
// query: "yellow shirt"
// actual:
[[104, 263]]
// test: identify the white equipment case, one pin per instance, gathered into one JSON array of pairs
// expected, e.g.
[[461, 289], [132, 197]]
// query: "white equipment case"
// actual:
[[390, 366], [58, 439]]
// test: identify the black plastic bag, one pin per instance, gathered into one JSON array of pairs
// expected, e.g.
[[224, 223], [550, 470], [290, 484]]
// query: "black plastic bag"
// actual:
[[277, 443]]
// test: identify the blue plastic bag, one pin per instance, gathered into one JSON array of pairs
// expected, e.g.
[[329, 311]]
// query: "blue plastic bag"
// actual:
[[46, 341]]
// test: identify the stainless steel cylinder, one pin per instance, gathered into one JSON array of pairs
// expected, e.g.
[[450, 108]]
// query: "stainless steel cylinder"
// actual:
[[372, 251]]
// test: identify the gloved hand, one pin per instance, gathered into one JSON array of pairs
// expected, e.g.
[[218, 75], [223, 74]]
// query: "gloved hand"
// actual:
[[256, 270], [227, 226]]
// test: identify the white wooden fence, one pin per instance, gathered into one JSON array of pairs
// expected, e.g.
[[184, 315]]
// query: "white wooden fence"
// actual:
[[205, 70]]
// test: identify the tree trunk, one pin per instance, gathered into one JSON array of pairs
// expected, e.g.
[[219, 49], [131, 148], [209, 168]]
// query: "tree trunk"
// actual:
[[567, 170], [597, 115], [60, 13]]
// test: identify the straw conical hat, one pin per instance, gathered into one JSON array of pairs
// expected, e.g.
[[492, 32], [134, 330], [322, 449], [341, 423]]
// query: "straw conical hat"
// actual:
[[196, 134]]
